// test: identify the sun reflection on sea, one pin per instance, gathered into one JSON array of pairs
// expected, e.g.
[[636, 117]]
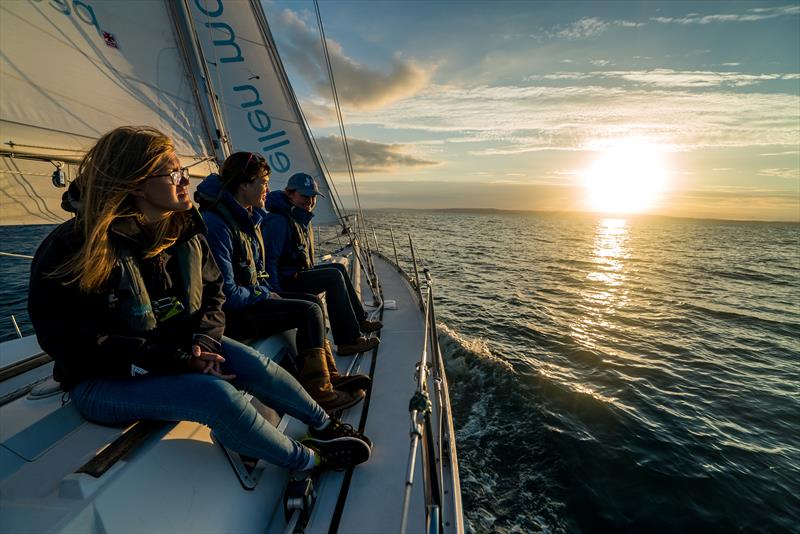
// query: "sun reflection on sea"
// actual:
[[609, 252], [604, 290]]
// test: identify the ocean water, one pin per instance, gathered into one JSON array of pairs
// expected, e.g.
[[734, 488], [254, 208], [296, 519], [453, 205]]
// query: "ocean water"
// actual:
[[606, 374]]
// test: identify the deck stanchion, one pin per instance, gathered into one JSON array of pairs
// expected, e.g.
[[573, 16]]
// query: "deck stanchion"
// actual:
[[417, 281], [396, 261], [419, 403], [375, 238], [16, 326]]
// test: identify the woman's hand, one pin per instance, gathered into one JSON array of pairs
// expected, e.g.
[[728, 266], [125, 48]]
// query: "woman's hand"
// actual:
[[207, 363]]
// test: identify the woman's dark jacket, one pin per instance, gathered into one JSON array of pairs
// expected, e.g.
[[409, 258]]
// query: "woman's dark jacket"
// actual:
[[86, 334], [235, 243], [288, 237]]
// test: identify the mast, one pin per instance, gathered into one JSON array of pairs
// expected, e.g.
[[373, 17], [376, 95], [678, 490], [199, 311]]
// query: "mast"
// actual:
[[186, 34]]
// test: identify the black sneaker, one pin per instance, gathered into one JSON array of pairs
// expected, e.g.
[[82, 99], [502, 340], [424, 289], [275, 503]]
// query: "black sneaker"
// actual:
[[337, 430], [338, 454]]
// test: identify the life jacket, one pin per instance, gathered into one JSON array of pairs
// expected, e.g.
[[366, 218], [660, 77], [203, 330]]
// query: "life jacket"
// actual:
[[303, 243], [133, 303], [245, 270]]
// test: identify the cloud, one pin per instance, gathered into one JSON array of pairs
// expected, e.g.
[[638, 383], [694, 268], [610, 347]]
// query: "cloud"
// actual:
[[358, 85], [751, 15], [781, 172], [589, 27], [583, 28], [502, 120], [368, 156], [672, 78]]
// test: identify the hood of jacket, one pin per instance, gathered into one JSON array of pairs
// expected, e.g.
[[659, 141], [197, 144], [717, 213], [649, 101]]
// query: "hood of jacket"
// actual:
[[71, 199], [278, 202], [210, 193]]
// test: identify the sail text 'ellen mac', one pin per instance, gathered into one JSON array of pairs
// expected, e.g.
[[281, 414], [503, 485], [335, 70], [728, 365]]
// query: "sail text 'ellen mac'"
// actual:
[[257, 118]]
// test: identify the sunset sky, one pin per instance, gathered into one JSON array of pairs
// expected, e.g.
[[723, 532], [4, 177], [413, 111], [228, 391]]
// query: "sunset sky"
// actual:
[[675, 108]]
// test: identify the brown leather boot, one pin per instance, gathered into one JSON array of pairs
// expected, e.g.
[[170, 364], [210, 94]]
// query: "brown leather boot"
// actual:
[[315, 378], [360, 344], [368, 326], [340, 381]]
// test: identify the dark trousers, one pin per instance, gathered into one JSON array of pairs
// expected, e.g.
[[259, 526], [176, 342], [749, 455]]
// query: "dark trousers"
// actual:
[[268, 317], [345, 311]]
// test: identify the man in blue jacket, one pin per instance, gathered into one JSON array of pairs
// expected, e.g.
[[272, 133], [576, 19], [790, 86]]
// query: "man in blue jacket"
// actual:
[[289, 241], [230, 206]]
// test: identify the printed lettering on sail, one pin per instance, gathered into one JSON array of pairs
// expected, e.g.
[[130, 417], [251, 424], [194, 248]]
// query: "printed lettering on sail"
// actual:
[[257, 105]]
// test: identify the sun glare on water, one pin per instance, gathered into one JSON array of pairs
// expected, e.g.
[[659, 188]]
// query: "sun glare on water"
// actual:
[[628, 178]]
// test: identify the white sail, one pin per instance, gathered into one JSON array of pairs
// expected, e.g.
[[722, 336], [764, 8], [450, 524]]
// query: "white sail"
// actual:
[[257, 104], [71, 71]]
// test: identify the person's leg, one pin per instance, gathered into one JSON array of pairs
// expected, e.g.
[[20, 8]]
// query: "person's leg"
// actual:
[[344, 322], [355, 301], [190, 397], [269, 383], [271, 316], [308, 297]]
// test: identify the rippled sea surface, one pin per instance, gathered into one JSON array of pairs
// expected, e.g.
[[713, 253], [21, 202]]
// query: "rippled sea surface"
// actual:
[[606, 374]]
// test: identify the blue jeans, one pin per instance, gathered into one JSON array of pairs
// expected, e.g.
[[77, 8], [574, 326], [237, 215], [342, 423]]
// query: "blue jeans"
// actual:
[[344, 307], [213, 402]]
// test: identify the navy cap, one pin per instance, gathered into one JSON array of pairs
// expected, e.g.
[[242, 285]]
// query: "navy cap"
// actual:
[[304, 184]]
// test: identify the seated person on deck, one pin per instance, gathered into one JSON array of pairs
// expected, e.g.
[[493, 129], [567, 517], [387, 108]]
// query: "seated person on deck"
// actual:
[[127, 299], [289, 240], [253, 310]]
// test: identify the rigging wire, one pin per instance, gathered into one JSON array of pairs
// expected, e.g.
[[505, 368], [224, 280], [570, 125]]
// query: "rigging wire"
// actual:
[[335, 197], [360, 227], [337, 105], [303, 122], [360, 224]]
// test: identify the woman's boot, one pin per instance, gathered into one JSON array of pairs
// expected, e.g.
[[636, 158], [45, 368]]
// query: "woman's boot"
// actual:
[[315, 378], [340, 381]]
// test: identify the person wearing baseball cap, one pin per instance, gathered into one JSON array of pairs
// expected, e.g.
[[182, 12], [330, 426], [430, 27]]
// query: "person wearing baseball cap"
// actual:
[[289, 241]]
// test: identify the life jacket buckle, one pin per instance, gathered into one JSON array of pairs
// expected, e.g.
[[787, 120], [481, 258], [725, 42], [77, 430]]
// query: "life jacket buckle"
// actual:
[[166, 308]]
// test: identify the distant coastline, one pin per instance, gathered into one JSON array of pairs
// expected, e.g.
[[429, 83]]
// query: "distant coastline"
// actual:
[[499, 211]]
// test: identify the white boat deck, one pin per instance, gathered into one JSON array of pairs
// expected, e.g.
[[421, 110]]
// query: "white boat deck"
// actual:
[[179, 479], [375, 496]]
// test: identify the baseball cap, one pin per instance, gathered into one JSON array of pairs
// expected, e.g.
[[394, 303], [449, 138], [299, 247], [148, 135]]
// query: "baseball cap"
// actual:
[[304, 184]]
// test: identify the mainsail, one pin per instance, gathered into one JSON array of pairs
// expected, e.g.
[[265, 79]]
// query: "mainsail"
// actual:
[[258, 107], [71, 71]]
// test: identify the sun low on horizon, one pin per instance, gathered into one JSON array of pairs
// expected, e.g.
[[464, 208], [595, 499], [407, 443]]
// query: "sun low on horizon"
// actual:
[[629, 177]]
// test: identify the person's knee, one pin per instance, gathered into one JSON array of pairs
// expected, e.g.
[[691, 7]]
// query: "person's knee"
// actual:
[[219, 396], [314, 310], [334, 278]]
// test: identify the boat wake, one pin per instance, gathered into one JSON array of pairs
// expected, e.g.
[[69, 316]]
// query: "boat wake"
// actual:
[[503, 457]]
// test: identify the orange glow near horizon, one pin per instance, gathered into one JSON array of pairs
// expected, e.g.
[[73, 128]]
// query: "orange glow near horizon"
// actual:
[[628, 178]]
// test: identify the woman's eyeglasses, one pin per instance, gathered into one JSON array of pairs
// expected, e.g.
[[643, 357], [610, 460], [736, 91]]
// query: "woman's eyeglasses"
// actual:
[[176, 177]]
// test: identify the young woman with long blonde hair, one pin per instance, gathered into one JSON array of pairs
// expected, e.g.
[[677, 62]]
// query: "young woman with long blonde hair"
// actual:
[[127, 299]]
